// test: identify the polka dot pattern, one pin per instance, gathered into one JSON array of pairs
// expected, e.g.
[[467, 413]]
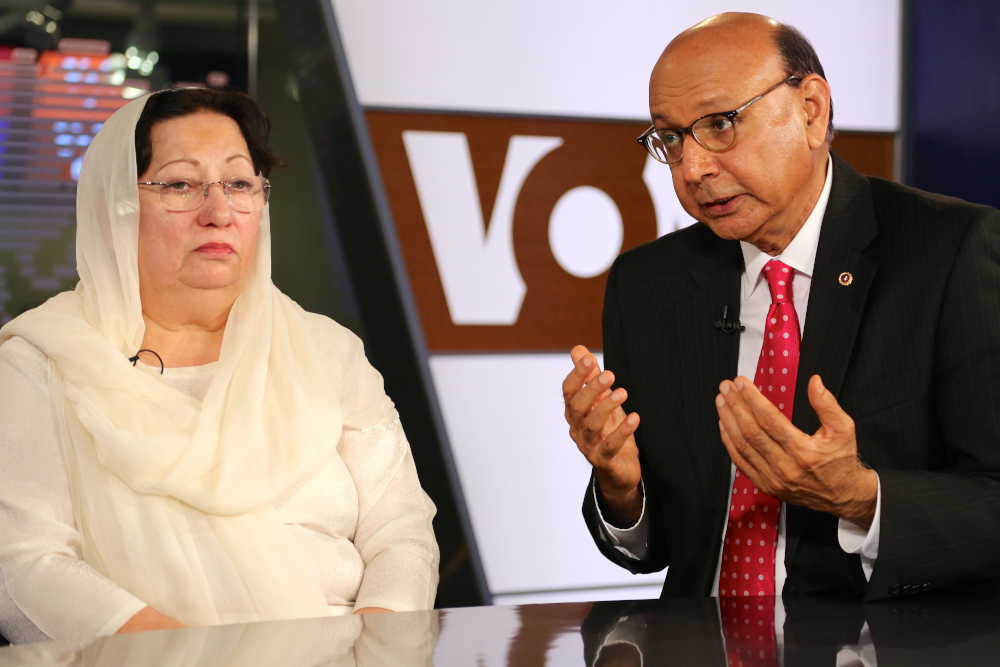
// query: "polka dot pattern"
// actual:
[[748, 628], [752, 530]]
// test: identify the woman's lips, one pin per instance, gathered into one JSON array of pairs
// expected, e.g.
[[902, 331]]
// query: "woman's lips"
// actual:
[[215, 249], [724, 206]]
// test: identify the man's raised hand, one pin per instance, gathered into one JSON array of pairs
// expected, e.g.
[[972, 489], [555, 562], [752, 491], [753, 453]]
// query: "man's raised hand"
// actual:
[[603, 434], [820, 471]]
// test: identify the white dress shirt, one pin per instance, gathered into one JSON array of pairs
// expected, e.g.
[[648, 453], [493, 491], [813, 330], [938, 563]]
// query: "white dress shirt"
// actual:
[[800, 255]]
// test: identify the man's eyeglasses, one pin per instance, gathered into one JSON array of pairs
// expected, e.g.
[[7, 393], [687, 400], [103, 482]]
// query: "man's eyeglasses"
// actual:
[[714, 132], [246, 194]]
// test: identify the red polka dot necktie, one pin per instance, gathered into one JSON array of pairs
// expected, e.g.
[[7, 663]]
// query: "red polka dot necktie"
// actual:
[[752, 532]]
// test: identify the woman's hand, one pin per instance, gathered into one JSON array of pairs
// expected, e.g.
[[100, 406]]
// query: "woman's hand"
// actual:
[[371, 610], [148, 619]]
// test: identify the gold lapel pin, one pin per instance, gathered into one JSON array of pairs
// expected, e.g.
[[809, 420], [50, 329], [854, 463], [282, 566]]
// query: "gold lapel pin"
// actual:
[[845, 278]]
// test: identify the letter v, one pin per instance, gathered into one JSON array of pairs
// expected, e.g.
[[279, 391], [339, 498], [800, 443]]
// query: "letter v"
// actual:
[[479, 273]]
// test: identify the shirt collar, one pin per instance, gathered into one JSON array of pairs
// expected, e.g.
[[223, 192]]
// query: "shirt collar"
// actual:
[[800, 254]]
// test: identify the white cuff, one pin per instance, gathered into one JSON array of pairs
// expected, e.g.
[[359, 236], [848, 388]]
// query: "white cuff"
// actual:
[[632, 542], [856, 540], [860, 655]]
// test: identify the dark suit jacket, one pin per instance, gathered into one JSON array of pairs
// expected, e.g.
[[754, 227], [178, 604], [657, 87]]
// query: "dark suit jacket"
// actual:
[[911, 349]]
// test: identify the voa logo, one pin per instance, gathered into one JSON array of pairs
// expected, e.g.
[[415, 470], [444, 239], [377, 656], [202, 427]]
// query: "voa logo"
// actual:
[[506, 211]]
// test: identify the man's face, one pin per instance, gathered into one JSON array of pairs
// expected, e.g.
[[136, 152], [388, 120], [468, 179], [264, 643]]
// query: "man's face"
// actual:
[[755, 189]]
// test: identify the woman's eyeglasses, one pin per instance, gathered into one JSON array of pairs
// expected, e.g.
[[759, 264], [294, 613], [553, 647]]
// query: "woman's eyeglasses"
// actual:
[[246, 194]]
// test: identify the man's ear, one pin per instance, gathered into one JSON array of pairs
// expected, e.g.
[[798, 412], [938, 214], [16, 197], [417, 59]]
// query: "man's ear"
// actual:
[[816, 103]]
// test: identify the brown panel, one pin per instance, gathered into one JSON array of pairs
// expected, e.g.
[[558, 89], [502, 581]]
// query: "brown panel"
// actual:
[[559, 310], [870, 153]]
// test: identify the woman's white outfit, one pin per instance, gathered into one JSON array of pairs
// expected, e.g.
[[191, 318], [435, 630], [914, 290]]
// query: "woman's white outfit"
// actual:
[[271, 484]]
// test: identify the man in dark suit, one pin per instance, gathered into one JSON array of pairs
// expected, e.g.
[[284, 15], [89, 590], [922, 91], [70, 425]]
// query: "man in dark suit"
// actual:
[[857, 450]]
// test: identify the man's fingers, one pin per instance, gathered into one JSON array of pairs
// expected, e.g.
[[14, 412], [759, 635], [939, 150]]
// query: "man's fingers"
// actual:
[[830, 414], [767, 414], [746, 421], [741, 463], [585, 367], [738, 438], [578, 353], [599, 416], [612, 444], [580, 405]]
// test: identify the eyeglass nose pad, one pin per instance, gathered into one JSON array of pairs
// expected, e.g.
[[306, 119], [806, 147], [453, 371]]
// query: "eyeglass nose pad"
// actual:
[[224, 190]]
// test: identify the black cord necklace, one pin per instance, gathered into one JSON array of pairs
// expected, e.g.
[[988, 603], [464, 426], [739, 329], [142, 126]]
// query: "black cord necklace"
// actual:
[[136, 358]]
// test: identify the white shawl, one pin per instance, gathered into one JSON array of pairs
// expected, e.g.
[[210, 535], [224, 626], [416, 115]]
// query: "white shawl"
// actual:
[[174, 498]]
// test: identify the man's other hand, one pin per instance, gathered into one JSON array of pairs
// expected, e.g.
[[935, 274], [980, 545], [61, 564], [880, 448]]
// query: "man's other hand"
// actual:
[[819, 471], [604, 434]]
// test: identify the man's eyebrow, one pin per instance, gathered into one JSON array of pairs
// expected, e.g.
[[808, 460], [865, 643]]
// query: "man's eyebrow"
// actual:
[[709, 106], [238, 155], [716, 103], [665, 120]]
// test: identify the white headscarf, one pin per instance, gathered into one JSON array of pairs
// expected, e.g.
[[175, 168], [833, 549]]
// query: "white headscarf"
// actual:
[[174, 497]]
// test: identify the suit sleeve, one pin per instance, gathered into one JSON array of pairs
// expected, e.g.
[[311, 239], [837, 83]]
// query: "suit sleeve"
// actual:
[[941, 526], [615, 360]]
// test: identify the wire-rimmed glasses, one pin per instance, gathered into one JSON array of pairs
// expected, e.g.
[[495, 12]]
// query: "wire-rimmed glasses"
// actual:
[[714, 132], [245, 194]]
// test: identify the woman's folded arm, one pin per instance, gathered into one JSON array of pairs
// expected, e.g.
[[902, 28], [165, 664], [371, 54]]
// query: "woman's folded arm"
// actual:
[[46, 589], [394, 535]]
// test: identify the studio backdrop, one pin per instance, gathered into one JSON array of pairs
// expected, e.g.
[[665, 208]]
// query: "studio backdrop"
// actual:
[[500, 141]]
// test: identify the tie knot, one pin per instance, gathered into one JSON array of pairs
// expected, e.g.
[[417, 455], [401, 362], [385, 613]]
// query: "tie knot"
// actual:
[[779, 281]]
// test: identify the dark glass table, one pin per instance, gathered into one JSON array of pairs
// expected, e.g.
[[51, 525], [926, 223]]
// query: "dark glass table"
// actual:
[[920, 630]]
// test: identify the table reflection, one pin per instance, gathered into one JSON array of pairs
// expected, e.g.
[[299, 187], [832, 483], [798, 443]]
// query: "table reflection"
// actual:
[[806, 632], [758, 632], [349, 641]]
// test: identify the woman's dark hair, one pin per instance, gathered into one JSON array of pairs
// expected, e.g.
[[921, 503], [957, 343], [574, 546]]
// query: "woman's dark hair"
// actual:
[[800, 60], [242, 108]]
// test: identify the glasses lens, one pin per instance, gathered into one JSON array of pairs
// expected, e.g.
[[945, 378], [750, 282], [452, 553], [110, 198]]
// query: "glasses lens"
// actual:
[[248, 195], [665, 146], [715, 133], [181, 195]]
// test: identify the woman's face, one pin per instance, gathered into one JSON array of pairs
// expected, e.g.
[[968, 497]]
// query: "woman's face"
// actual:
[[213, 246]]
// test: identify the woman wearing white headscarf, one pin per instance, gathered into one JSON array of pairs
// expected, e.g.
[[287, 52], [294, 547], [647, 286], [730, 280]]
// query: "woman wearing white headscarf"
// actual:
[[260, 473]]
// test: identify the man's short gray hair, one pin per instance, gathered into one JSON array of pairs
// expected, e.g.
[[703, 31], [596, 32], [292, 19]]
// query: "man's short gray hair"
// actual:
[[800, 60]]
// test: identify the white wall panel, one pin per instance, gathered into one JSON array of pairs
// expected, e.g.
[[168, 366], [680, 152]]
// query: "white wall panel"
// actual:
[[522, 476], [592, 58]]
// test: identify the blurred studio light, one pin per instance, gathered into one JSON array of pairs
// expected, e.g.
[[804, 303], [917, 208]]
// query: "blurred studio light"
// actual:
[[37, 26], [143, 42]]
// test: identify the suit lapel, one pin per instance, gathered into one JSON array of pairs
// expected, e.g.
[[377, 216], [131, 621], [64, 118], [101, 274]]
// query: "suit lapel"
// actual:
[[835, 308], [709, 356]]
